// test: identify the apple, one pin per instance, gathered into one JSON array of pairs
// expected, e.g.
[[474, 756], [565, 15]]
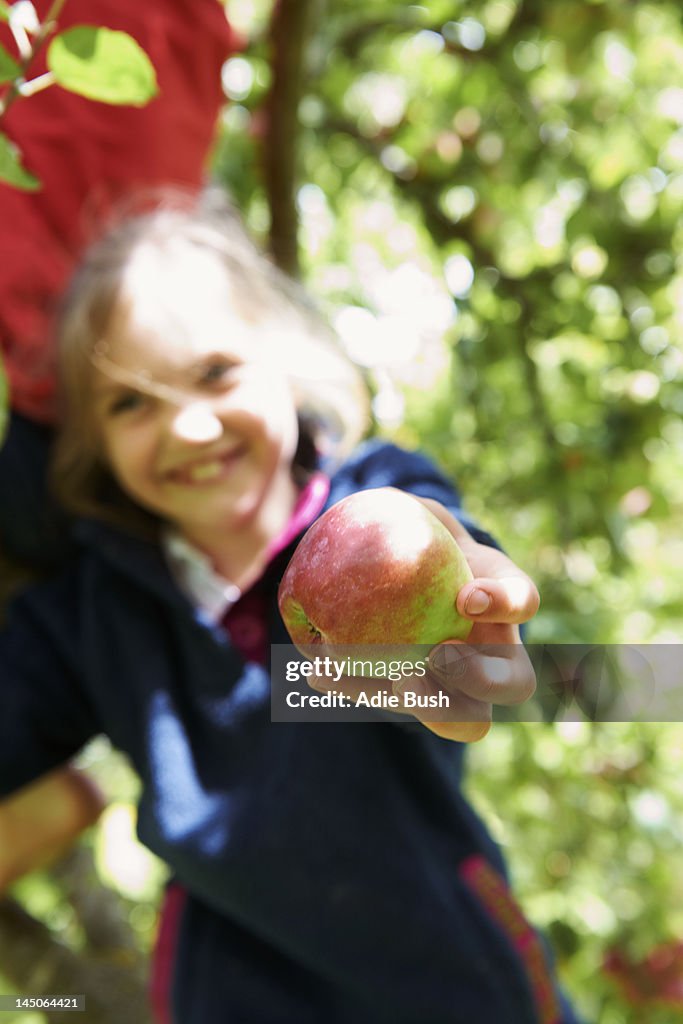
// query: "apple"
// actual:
[[377, 568]]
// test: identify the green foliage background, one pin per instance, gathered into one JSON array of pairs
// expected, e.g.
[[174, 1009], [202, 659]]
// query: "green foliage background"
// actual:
[[490, 211]]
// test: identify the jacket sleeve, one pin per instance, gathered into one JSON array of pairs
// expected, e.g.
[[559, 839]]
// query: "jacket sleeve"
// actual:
[[379, 464], [45, 717]]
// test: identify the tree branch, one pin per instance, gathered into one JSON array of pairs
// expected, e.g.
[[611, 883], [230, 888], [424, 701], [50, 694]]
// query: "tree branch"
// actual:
[[288, 37], [26, 60]]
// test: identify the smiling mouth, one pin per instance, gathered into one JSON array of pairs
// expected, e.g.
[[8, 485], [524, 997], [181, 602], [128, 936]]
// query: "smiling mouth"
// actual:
[[205, 471]]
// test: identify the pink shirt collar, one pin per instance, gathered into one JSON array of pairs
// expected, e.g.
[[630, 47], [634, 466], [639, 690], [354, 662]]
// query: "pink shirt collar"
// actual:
[[309, 504]]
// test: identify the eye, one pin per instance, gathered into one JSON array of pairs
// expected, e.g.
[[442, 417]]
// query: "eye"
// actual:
[[129, 401], [216, 372]]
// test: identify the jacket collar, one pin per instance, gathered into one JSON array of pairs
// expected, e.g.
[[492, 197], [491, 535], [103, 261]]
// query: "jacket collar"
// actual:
[[132, 556], [146, 562]]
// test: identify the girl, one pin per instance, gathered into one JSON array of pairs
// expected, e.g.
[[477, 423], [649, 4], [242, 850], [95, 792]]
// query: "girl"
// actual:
[[323, 874]]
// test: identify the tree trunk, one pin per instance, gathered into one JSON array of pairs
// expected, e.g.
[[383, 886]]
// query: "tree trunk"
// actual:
[[288, 35]]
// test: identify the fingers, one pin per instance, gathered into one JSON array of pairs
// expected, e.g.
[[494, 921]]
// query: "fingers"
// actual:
[[462, 682], [492, 674], [463, 732], [424, 698], [464, 719], [456, 695], [509, 599]]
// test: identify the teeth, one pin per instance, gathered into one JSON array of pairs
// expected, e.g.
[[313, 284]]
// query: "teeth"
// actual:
[[205, 471]]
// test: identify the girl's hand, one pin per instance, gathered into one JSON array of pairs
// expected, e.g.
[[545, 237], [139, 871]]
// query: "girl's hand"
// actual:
[[492, 667], [476, 677]]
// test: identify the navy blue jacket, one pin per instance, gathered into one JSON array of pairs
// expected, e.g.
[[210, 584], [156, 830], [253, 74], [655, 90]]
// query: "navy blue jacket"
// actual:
[[336, 872]]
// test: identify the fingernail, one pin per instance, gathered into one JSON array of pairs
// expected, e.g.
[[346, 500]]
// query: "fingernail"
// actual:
[[477, 602]]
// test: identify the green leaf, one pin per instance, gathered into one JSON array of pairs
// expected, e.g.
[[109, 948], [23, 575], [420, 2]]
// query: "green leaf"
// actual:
[[9, 69], [102, 65], [4, 11], [11, 170]]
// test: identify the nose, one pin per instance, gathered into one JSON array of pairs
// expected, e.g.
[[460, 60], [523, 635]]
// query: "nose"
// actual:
[[196, 423]]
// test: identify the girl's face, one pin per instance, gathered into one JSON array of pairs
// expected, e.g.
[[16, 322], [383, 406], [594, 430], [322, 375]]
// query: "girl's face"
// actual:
[[198, 424]]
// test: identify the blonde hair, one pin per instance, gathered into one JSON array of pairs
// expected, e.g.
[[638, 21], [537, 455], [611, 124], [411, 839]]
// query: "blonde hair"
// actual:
[[330, 395]]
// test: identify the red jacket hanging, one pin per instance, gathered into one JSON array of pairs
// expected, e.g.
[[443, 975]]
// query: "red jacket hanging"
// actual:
[[88, 155]]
